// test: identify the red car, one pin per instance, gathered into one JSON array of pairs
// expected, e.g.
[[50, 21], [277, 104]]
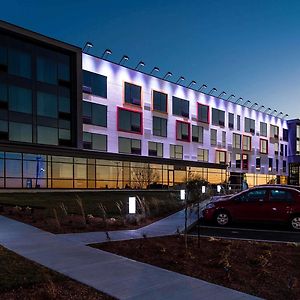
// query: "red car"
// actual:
[[274, 203]]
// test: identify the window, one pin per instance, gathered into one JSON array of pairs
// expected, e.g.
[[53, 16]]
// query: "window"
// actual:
[[20, 100], [203, 113], [285, 135], [19, 63], [246, 143], [180, 107], [238, 160], [231, 120], [237, 141], [276, 148], [257, 163], [47, 135], [202, 155], [281, 149], [160, 101], [94, 141], [274, 131], [281, 196], [277, 164], [238, 122], [159, 126], [176, 151], [130, 121], [253, 196], [133, 94], [224, 139], [46, 70], [249, 125], [218, 117], [129, 146], [285, 150], [95, 84], [220, 157], [20, 132], [263, 129], [155, 149], [64, 101], [95, 114], [263, 146], [245, 162], [46, 105], [183, 131], [213, 137], [197, 134], [270, 164], [284, 166]]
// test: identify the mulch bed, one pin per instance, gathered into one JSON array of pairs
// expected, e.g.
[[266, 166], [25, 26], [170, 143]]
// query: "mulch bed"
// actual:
[[267, 270]]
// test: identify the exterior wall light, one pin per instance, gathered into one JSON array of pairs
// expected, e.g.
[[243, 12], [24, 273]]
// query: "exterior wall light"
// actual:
[[155, 69], [181, 78], [202, 87], [191, 83], [87, 46], [106, 52], [132, 205], [212, 90], [222, 94], [169, 74], [125, 58]]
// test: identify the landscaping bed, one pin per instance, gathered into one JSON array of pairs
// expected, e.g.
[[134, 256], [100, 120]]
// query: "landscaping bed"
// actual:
[[67, 212], [25, 280], [267, 270]]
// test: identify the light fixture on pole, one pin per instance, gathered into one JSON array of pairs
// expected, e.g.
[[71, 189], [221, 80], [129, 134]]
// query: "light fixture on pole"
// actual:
[[212, 90], [274, 111], [268, 109], [125, 58], [222, 94], [240, 99], [168, 74], [106, 52], [231, 96], [248, 101], [253, 105], [261, 107], [277, 116], [202, 87], [191, 83], [155, 69], [140, 64], [181, 78], [87, 46], [286, 115]]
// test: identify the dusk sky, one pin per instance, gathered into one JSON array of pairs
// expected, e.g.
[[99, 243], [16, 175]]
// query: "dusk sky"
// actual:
[[250, 48]]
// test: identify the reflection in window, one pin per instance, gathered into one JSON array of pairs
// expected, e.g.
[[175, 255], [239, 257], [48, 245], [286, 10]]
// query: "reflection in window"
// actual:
[[133, 94], [20, 99], [95, 84], [197, 134], [95, 114], [47, 105], [19, 63], [94, 141], [176, 151], [129, 146], [47, 135], [130, 121], [180, 107], [203, 155], [183, 131], [203, 113], [20, 132], [155, 149], [160, 101], [218, 117], [159, 126]]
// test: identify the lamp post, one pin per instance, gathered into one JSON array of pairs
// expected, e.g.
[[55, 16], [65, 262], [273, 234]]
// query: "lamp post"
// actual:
[[202, 87], [125, 58], [248, 101], [222, 94], [168, 74], [106, 52], [268, 109], [140, 64], [181, 78], [240, 99], [155, 69], [212, 90], [274, 111], [191, 83], [87, 46], [231, 96], [261, 107], [286, 115], [253, 105]]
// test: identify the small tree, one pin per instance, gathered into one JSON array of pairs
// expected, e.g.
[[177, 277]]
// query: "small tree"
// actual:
[[143, 177]]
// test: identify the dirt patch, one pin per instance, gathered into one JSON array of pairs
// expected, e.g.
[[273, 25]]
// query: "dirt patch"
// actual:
[[267, 270], [22, 279]]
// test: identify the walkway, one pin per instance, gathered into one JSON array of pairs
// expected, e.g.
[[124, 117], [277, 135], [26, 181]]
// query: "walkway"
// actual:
[[167, 226], [112, 274]]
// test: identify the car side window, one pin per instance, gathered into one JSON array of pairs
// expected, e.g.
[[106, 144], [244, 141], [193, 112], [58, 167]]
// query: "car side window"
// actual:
[[277, 195], [253, 196]]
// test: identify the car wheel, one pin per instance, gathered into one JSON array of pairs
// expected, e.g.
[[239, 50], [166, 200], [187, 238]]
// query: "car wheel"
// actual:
[[222, 218], [295, 222]]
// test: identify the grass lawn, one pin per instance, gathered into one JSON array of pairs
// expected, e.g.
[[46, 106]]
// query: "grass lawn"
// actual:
[[267, 270], [22, 279]]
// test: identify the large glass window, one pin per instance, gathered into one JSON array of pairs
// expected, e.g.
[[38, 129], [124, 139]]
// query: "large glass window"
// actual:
[[249, 125], [238, 160], [94, 141], [238, 122], [47, 105], [197, 134], [203, 113], [160, 101], [176, 151], [263, 146], [274, 131], [20, 99], [285, 134], [246, 143], [95, 114], [19, 63], [230, 120], [218, 117], [236, 141], [202, 155], [130, 121], [47, 135], [183, 131], [95, 84], [20, 132], [155, 149], [160, 126], [263, 129], [220, 157], [245, 162], [46, 70], [133, 94], [180, 107], [213, 137], [129, 146]]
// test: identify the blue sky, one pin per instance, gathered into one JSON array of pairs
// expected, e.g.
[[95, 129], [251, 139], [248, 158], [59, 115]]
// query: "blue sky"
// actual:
[[250, 48]]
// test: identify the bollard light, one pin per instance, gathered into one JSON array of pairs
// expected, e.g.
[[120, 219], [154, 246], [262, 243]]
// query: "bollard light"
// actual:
[[132, 205], [182, 194], [203, 188], [218, 188]]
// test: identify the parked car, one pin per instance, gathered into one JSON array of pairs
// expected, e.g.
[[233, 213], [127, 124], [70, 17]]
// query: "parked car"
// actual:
[[267, 203]]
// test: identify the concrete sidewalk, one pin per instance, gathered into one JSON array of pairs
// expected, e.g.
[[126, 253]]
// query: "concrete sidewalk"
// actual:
[[167, 226], [112, 274]]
